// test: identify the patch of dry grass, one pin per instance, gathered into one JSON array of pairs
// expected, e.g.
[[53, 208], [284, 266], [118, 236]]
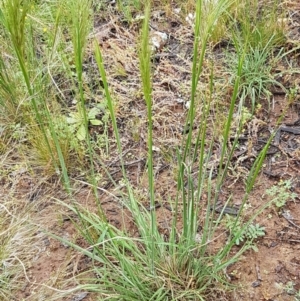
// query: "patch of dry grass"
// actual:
[[17, 247]]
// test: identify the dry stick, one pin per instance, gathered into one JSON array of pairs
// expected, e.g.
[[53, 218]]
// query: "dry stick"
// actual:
[[258, 272], [292, 223]]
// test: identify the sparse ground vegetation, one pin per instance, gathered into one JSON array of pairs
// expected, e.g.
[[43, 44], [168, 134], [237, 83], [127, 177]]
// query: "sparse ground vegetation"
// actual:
[[149, 150]]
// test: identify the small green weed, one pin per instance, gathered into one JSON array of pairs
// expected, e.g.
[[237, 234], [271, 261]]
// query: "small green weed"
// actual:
[[281, 193], [297, 296], [77, 123], [241, 234], [289, 288]]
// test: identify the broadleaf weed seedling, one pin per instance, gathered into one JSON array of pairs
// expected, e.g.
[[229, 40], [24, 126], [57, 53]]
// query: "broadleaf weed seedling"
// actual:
[[297, 296], [77, 124], [289, 288], [281, 193], [253, 231]]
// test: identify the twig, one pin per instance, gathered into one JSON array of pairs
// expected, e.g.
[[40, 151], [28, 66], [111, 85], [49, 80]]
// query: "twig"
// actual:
[[258, 272]]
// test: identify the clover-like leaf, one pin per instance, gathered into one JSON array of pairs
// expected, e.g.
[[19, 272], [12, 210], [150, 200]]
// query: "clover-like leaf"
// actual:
[[81, 134], [95, 122], [93, 112]]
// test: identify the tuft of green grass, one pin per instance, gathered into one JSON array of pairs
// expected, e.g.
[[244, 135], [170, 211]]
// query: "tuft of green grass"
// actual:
[[18, 26], [257, 24], [181, 265], [256, 74], [256, 31]]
